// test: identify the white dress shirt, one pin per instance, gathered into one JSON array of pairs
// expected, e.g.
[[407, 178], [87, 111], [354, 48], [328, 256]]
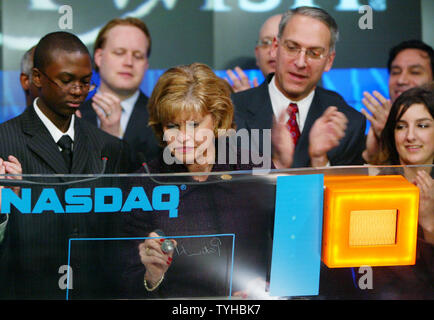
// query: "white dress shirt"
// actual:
[[54, 131], [280, 104]]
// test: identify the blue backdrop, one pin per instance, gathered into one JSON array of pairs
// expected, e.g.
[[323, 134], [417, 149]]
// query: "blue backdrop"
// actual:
[[350, 83]]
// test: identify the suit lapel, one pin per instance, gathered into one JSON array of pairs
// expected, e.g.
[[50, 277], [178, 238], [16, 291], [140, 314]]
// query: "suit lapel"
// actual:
[[88, 112], [41, 142], [83, 153], [260, 109]]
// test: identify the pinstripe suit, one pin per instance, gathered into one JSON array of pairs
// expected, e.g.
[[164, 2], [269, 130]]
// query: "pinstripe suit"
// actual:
[[36, 245], [27, 138]]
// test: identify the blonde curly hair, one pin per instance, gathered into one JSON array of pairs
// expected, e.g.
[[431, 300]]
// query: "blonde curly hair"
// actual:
[[187, 89]]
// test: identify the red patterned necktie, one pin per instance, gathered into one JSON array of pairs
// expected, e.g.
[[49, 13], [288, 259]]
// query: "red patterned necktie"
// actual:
[[292, 122]]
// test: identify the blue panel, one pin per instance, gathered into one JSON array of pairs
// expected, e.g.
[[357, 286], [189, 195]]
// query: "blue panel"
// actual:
[[68, 276], [296, 260]]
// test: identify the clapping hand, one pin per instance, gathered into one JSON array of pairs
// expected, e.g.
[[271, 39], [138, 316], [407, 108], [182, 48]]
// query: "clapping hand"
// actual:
[[239, 79], [426, 203], [325, 135], [108, 108], [283, 143], [379, 108]]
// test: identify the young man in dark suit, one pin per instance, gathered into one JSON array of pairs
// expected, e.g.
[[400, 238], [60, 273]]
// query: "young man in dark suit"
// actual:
[[121, 53], [36, 245], [304, 49]]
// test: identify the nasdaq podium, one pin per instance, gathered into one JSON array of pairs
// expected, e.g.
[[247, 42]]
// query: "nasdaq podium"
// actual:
[[328, 233]]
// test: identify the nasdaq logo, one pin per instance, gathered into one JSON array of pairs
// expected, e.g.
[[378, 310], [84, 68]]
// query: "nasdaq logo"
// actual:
[[82, 200]]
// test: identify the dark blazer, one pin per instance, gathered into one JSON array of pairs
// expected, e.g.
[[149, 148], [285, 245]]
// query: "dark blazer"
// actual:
[[36, 245], [139, 136], [202, 266], [253, 110]]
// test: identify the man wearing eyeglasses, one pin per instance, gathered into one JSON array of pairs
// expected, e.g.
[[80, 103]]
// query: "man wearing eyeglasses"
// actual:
[[47, 138], [62, 75], [327, 131], [121, 52], [265, 62]]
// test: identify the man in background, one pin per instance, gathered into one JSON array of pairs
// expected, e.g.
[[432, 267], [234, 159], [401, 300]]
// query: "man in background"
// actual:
[[121, 52], [410, 65], [30, 91], [304, 49], [265, 62]]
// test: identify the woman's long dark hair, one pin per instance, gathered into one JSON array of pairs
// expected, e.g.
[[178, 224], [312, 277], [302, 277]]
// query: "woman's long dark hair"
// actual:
[[418, 95]]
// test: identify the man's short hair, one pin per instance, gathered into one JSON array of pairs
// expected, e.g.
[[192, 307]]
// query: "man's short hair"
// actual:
[[315, 13], [411, 44], [128, 21], [51, 42]]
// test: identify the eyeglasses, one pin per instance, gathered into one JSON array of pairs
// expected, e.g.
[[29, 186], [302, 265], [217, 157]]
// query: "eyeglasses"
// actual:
[[89, 86], [264, 43], [294, 50]]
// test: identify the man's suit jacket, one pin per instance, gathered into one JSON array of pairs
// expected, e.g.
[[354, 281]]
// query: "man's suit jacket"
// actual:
[[253, 110], [36, 245], [140, 137]]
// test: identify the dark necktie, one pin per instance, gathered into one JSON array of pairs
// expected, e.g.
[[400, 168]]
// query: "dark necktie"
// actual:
[[65, 143], [292, 122]]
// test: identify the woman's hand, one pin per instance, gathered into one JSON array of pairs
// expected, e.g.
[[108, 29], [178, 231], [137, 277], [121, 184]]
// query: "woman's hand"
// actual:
[[379, 108], [154, 259], [426, 203]]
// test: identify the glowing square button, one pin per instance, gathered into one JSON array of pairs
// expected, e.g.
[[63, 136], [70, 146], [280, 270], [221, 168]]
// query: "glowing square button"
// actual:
[[372, 227], [369, 220]]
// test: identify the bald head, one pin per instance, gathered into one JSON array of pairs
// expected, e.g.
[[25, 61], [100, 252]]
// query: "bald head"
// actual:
[[270, 28], [267, 33]]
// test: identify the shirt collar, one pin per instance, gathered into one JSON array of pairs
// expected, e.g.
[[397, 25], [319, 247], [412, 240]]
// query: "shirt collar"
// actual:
[[54, 131], [280, 103]]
